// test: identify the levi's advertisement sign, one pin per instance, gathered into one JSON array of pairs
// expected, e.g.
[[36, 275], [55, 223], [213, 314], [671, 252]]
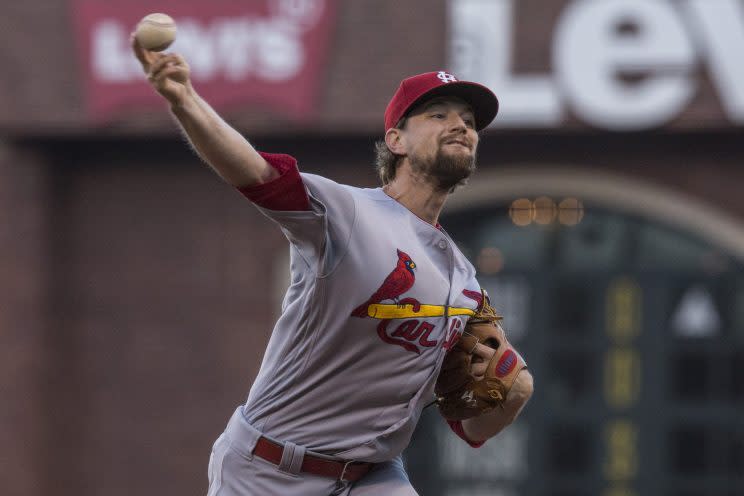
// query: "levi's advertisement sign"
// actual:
[[267, 53], [621, 65]]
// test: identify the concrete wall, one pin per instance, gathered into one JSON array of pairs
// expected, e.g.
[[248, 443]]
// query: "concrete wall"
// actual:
[[24, 317]]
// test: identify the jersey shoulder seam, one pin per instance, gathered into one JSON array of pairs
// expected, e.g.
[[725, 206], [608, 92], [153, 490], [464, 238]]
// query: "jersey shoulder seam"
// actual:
[[347, 242]]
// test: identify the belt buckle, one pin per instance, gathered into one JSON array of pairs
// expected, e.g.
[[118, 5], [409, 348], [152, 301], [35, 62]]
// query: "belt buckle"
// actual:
[[343, 472]]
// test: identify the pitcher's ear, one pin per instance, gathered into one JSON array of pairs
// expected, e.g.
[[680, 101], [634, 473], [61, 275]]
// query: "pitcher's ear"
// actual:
[[394, 141]]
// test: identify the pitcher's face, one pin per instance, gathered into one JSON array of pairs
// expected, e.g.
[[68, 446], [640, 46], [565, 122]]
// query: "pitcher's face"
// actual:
[[441, 141]]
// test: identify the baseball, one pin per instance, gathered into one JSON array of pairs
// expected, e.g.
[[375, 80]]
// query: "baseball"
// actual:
[[156, 32]]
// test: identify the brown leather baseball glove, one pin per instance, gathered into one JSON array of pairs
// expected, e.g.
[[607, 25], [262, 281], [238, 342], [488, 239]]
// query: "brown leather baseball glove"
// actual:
[[461, 394]]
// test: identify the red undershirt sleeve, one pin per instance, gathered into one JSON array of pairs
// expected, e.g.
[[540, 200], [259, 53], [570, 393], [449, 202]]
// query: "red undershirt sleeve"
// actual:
[[456, 426], [286, 193]]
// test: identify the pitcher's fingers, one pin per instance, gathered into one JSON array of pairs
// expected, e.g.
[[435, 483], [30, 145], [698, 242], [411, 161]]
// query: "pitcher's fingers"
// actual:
[[479, 369], [179, 59], [166, 73], [483, 351], [163, 62], [145, 57]]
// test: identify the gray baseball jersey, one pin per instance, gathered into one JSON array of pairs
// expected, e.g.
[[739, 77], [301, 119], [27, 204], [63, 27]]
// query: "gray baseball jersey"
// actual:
[[377, 296]]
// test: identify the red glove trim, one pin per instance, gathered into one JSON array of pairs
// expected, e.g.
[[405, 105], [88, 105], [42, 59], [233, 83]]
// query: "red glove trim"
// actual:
[[286, 193], [456, 426]]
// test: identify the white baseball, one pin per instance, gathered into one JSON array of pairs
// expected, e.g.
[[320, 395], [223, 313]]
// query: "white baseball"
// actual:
[[156, 32]]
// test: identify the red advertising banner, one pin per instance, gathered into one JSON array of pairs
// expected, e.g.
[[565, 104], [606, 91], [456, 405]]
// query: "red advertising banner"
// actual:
[[269, 53]]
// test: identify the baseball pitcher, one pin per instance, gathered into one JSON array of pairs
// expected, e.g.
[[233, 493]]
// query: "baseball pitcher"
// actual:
[[384, 314]]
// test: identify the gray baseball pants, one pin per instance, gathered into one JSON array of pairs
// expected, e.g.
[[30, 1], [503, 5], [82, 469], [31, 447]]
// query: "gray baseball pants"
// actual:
[[234, 471]]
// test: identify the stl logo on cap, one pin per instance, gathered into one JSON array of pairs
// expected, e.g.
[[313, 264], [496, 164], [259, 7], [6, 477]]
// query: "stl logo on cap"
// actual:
[[416, 89], [446, 78]]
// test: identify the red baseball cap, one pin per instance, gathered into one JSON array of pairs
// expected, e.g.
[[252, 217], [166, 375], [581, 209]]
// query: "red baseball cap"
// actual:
[[417, 89]]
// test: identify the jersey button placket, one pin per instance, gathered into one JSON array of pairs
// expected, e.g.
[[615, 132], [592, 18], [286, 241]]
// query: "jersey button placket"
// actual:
[[442, 244]]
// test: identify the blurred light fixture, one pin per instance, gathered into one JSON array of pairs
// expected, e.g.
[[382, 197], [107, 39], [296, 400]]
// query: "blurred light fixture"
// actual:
[[490, 260], [521, 211], [545, 210], [570, 211]]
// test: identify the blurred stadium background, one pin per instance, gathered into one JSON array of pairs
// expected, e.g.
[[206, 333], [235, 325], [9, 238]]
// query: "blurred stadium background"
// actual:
[[606, 220]]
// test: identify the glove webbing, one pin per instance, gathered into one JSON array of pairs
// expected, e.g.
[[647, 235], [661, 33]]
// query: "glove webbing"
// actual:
[[486, 313]]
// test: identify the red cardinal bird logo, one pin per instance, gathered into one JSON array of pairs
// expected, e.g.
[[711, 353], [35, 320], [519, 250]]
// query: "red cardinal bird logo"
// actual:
[[399, 281]]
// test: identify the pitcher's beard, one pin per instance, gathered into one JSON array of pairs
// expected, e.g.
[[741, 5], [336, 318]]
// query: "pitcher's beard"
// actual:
[[445, 171]]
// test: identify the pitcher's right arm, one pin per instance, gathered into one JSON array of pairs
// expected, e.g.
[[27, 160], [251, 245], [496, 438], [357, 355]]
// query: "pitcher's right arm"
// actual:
[[226, 151]]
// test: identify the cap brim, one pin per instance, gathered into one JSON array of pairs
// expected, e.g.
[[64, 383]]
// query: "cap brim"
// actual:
[[484, 103]]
